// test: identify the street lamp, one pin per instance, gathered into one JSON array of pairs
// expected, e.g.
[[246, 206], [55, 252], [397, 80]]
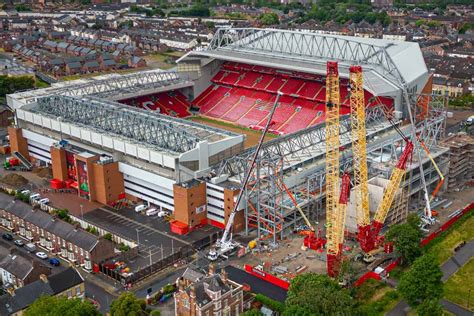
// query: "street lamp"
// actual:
[[82, 213], [138, 239]]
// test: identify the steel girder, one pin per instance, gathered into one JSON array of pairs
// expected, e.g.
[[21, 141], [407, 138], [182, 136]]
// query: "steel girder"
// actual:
[[306, 144], [428, 133], [125, 83], [119, 120], [307, 47]]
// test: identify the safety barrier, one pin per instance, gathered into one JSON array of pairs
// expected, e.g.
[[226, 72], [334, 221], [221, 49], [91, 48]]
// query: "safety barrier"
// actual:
[[267, 277]]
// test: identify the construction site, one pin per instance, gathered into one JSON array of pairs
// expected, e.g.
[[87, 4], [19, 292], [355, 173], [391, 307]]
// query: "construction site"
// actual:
[[301, 148]]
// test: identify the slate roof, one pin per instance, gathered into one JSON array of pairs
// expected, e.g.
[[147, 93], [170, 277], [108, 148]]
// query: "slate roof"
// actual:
[[44, 220], [27, 294], [109, 62], [17, 265], [91, 64], [63, 45], [67, 279], [74, 65]]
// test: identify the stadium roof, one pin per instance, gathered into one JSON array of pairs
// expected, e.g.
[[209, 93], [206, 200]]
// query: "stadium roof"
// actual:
[[151, 129], [389, 65], [112, 87]]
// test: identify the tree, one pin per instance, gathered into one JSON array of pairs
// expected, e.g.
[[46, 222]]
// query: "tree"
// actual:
[[422, 282], [430, 308], [126, 304], [61, 305], [406, 240], [269, 18], [13, 84], [315, 294]]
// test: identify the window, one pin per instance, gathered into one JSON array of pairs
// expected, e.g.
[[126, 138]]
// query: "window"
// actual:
[[78, 291], [69, 294], [186, 303]]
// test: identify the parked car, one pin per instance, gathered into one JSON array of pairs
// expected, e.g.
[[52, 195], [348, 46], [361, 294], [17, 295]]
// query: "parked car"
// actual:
[[19, 243], [35, 197], [152, 212], [140, 208], [30, 247], [7, 236], [162, 214], [54, 262], [44, 201], [41, 255]]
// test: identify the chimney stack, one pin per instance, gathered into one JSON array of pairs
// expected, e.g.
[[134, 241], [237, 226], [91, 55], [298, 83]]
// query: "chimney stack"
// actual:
[[44, 278], [212, 269], [224, 276], [11, 291]]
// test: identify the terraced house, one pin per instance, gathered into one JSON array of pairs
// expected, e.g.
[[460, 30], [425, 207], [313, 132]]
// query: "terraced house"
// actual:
[[54, 235]]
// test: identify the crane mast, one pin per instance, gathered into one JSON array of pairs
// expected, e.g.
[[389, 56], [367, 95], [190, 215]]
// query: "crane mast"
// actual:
[[333, 223], [359, 152]]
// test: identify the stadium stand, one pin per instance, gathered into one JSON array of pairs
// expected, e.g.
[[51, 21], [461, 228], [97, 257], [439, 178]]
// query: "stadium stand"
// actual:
[[172, 103], [244, 94]]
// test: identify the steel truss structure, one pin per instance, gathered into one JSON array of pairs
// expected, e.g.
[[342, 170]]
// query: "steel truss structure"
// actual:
[[150, 128], [307, 47], [112, 87], [269, 209], [429, 132], [302, 147]]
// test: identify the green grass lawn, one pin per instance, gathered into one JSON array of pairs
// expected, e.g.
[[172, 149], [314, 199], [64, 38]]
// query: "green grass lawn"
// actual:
[[460, 285], [445, 248]]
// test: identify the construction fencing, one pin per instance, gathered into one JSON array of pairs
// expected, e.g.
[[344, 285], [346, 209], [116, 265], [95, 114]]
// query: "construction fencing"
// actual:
[[135, 277]]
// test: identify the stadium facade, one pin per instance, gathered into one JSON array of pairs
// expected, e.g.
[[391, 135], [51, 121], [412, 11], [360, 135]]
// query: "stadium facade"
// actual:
[[109, 150]]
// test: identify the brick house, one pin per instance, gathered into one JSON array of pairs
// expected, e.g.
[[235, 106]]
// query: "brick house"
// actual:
[[57, 236], [136, 62], [19, 270], [213, 294], [73, 68], [91, 66], [68, 283], [108, 64]]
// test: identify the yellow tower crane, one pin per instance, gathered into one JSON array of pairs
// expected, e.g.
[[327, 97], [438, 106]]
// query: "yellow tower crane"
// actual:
[[334, 226], [359, 152]]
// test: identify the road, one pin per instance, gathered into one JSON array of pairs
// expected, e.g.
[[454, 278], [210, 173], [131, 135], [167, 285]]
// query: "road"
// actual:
[[451, 266], [93, 290]]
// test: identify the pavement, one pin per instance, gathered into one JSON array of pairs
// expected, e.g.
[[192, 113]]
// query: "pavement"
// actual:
[[451, 266]]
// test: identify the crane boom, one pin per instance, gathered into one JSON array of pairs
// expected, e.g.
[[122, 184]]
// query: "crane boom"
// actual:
[[230, 220], [332, 164], [393, 185], [359, 152]]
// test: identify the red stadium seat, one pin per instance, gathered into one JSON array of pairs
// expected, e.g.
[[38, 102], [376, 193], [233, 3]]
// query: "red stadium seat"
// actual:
[[244, 94]]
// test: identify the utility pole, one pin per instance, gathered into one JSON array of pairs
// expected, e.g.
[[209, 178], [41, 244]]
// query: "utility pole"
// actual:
[[161, 251], [172, 246]]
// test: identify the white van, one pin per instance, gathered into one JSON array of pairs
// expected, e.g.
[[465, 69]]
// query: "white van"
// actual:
[[152, 212], [140, 208]]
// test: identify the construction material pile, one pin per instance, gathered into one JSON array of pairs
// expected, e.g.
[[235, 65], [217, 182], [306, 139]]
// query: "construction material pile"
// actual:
[[14, 180], [43, 172]]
